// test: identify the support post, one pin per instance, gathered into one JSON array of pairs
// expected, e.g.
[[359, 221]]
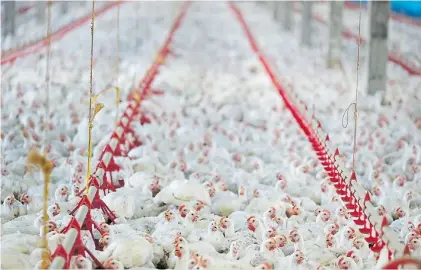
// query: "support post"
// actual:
[[40, 6], [9, 18], [64, 5], [272, 7], [378, 52], [288, 15], [306, 16], [335, 33], [277, 9]]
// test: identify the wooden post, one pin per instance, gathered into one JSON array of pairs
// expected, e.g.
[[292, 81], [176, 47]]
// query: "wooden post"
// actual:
[[288, 14], [40, 6], [378, 52], [9, 18], [335, 33], [306, 16]]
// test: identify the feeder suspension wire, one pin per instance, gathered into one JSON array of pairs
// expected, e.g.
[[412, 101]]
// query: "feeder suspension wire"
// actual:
[[88, 170], [118, 45], [47, 77], [45, 254], [354, 150], [355, 104]]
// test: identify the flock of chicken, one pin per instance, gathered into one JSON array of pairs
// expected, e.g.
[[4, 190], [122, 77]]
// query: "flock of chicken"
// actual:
[[223, 179]]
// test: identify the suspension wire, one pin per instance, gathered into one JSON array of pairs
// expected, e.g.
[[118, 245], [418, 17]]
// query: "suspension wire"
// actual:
[[137, 21], [45, 255], [117, 89], [355, 104], [88, 170], [118, 46], [47, 78], [354, 150], [36, 158]]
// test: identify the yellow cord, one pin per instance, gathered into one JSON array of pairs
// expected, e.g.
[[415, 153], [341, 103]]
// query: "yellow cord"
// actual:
[[90, 125], [35, 158]]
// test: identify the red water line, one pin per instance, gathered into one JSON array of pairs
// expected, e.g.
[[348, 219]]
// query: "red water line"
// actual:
[[59, 34], [395, 16], [304, 126], [25, 9], [398, 60]]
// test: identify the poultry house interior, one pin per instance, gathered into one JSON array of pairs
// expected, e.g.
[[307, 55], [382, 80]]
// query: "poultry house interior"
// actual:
[[210, 135]]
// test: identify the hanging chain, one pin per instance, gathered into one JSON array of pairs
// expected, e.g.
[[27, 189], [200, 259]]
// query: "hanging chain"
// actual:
[[90, 125], [47, 78]]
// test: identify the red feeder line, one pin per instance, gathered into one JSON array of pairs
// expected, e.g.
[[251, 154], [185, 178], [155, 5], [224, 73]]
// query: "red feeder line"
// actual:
[[107, 165], [342, 187]]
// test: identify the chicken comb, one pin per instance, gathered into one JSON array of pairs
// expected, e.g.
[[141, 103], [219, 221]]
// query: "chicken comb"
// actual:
[[250, 218]]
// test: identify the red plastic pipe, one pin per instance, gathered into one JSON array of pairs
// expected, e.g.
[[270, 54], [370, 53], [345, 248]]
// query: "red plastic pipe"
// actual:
[[347, 33], [59, 34]]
